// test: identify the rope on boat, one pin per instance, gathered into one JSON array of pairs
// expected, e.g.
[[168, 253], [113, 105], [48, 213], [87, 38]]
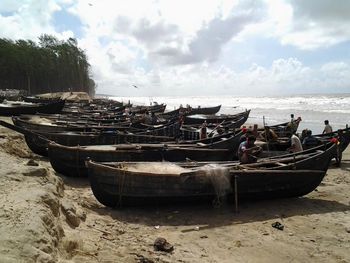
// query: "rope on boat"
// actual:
[[121, 188], [77, 160], [236, 193]]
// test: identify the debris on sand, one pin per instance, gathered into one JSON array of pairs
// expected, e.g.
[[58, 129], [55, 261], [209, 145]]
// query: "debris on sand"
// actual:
[[161, 244]]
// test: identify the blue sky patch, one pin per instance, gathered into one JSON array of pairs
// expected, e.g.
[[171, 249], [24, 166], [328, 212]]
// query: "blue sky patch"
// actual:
[[64, 21]]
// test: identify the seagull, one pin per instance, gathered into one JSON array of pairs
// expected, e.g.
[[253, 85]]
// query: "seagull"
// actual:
[[135, 86]]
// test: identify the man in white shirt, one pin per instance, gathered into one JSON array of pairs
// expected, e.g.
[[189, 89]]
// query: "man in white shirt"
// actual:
[[327, 128], [295, 144]]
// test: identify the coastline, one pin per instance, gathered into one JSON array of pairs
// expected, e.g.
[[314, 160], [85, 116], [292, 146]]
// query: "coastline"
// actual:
[[46, 217]]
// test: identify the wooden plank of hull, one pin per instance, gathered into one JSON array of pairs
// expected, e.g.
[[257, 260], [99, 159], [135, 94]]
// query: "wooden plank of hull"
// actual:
[[264, 184]]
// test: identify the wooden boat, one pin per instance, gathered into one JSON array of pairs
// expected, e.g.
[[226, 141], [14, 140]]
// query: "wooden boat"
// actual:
[[342, 135], [154, 108], [205, 110], [11, 108], [35, 99], [190, 111], [70, 160], [318, 157], [38, 123], [38, 141], [215, 119], [161, 183], [190, 132]]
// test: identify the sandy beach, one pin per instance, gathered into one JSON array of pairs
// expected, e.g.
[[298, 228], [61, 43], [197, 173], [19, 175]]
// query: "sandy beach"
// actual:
[[46, 217]]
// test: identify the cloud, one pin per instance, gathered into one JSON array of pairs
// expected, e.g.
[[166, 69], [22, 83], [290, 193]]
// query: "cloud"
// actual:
[[191, 48], [209, 40], [154, 34], [318, 24], [29, 19], [282, 76]]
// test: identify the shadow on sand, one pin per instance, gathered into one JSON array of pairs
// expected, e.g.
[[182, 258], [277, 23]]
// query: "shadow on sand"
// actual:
[[209, 217], [345, 165]]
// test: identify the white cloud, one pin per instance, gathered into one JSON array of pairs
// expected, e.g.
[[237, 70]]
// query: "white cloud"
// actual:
[[307, 25], [171, 47], [315, 24], [283, 76], [29, 19]]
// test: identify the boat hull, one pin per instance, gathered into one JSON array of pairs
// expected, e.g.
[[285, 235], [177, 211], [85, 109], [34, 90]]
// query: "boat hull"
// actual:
[[116, 187]]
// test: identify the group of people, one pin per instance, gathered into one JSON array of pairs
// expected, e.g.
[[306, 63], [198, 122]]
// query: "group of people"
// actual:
[[248, 151], [308, 140]]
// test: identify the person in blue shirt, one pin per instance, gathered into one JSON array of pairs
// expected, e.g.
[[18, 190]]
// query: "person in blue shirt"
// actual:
[[310, 140], [248, 151]]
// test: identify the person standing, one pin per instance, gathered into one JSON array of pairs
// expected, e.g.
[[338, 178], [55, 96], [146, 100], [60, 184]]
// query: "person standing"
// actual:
[[295, 144], [154, 119], [327, 128], [203, 130]]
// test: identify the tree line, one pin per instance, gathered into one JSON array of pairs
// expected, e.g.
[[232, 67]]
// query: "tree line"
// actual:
[[50, 65]]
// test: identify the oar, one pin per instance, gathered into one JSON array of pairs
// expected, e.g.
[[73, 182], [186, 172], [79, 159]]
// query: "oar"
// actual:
[[217, 126]]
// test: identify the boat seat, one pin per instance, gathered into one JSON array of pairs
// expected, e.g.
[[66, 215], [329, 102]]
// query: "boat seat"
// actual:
[[281, 164]]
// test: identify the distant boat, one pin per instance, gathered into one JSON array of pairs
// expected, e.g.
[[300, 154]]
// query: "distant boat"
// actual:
[[11, 108]]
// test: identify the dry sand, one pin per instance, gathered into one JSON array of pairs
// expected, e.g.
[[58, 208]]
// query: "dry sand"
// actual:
[[46, 217]]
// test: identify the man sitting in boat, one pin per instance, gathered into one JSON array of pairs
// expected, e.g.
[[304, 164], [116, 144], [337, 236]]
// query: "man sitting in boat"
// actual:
[[310, 140], [295, 144], [147, 119], [268, 135], [245, 134], [154, 118], [248, 151]]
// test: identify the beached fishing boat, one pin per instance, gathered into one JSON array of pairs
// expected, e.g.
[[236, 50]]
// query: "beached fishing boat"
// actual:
[[138, 184], [190, 111], [43, 124], [216, 119], [11, 108], [342, 136], [70, 160], [38, 141], [154, 108], [205, 110], [192, 132]]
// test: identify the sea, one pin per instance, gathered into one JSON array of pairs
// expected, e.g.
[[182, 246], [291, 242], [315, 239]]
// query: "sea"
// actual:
[[313, 109]]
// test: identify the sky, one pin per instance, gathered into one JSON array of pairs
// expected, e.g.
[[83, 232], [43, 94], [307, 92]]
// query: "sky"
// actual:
[[197, 48]]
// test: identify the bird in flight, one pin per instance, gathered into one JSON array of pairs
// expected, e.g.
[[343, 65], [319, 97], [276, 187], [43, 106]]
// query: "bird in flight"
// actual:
[[135, 86]]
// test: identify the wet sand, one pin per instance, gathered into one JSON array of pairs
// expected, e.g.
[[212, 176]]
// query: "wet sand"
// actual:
[[46, 217]]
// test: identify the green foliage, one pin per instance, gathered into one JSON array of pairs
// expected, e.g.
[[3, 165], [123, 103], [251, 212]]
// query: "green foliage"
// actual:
[[50, 65]]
